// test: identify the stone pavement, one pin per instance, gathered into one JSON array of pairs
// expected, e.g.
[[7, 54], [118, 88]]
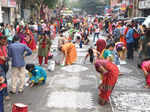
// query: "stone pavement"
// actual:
[[74, 89]]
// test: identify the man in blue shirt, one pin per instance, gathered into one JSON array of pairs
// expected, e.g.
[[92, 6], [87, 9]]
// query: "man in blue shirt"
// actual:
[[116, 33], [18, 51], [130, 42]]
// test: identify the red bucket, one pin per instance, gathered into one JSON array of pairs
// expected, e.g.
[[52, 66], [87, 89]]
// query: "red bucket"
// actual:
[[19, 107]]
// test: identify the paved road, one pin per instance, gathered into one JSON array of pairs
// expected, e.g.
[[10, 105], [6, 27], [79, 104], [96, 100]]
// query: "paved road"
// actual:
[[74, 89]]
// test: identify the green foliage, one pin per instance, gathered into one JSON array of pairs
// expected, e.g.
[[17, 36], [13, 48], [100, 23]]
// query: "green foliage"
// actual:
[[51, 3]]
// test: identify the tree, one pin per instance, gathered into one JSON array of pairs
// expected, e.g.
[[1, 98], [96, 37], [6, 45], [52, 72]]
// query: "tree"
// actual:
[[51, 3], [37, 5]]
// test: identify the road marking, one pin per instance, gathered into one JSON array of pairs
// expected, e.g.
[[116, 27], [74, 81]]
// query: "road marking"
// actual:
[[74, 68], [70, 99], [72, 82]]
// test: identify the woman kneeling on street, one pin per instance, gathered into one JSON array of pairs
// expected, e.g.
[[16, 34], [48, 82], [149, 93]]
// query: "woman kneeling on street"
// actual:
[[37, 74]]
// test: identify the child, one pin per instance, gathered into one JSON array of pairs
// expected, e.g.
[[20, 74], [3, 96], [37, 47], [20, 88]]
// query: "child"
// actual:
[[92, 53], [37, 74], [2, 86]]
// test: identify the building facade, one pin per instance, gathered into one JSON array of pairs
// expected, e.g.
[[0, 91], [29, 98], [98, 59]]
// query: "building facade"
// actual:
[[7, 10], [144, 7], [128, 8]]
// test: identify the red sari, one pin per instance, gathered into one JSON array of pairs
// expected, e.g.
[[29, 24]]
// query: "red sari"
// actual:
[[109, 78], [30, 42], [146, 67], [100, 44]]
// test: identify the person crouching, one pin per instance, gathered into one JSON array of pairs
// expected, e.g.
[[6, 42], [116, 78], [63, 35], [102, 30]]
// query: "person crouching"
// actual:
[[37, 74]]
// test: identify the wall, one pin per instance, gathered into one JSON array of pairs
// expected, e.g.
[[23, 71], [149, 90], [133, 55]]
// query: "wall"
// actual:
[[0, 12]]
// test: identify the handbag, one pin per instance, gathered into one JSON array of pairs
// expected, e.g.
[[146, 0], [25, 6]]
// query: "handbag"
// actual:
[[6, 64]]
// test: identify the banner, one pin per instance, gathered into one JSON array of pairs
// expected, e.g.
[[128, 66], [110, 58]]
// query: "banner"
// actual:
[[8, 3], [11, 3], [4, 3]]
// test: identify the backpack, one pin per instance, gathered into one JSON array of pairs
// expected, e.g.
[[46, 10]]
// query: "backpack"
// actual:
[[136, 35]]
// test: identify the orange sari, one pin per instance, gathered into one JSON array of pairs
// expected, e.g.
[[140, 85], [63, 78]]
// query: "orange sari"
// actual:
[[70, 52]]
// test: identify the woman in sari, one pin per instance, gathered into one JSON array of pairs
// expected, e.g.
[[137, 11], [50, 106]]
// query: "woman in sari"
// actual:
[[101, 45], [29, 39], [70, 53], [145, 66], [110, 74], [37, 74]]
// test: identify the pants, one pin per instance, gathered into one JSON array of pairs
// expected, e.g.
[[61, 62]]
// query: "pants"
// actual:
[[130, 50], [1, 102], [3, 73], [148, 51], [136, 44], [18, 73], [95, 35], [41, 60]]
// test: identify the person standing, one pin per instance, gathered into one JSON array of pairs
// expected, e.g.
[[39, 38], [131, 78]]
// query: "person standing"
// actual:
[[44, 48], [130, 43], [96, 34], [18, 51]]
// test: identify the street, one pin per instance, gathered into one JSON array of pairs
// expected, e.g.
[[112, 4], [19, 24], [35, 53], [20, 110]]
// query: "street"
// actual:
[[74, 88]]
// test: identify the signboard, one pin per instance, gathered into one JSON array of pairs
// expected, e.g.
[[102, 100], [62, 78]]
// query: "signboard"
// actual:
[[11, 3], [144, 4], [8, 3], [4, 3]]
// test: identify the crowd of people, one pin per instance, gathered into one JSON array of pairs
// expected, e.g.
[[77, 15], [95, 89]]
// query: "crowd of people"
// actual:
[[122, 39]]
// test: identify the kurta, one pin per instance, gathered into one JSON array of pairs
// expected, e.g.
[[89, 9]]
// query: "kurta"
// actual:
[[44, 47], [70, 52]]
